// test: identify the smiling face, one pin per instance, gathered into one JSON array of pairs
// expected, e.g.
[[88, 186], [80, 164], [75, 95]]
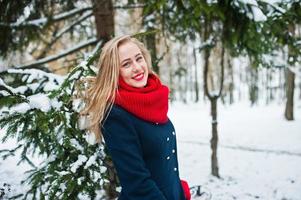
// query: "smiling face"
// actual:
[[133, 67]]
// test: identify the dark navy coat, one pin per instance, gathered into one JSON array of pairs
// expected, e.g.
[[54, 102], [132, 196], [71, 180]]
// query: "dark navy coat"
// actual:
[[144, 155]]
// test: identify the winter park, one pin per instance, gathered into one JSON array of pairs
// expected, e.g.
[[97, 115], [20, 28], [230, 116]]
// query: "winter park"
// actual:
[[150, 100]]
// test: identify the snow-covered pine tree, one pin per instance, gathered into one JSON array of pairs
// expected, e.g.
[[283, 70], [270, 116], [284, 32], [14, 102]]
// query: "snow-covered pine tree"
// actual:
[[42, 114]]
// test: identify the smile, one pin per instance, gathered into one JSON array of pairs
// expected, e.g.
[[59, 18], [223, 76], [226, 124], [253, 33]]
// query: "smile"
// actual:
[[139, 77]]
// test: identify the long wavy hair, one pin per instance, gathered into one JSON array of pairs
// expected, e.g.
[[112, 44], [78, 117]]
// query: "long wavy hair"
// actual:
[[100, 96]]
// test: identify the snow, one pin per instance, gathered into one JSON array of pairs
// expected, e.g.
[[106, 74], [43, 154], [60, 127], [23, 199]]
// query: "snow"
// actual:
[[40, 101], [91, 160], [80, 161], [76, 144], [274, 8], [56, 104], [274, 3], [20, 108], [42, 21], [103, 169], [37, 101], [54, 81], [2, 83], [257, 15], [90, 138], [259, 152]]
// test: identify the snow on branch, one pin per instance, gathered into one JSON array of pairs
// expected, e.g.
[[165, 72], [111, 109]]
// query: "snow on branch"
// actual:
[[62, 54], [256, 13], [37, 74], [44, 20], [129, 6], [7, 87], [274, 5]]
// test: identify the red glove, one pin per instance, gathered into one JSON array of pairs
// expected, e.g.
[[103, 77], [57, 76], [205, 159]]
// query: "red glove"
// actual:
[[186, 189]]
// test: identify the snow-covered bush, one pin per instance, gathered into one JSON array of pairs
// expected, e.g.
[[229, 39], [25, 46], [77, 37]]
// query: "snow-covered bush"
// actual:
[[42, 114]]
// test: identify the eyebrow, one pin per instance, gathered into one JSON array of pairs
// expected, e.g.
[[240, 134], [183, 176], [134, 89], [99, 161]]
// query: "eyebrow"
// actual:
[[138, 54]]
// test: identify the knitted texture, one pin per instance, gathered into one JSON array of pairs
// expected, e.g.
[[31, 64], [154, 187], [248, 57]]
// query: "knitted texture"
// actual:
[[149, 103]]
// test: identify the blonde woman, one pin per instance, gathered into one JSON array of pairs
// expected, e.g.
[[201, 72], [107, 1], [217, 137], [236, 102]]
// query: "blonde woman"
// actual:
[[128, 106]]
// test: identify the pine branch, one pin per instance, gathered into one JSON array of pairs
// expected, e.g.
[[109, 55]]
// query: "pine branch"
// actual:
[[51, 138], [45, 20], [55, 57]]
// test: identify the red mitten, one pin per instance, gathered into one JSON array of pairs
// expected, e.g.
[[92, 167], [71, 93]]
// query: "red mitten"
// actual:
[[186, 189]]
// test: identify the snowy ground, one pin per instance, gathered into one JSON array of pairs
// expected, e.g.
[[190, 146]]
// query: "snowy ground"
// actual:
[[259, 153]]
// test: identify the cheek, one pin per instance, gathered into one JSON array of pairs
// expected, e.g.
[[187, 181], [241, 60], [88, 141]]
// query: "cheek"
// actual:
[[145, 66], [124, 73]]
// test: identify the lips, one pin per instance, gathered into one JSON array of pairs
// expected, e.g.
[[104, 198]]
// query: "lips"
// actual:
[[139, 77]]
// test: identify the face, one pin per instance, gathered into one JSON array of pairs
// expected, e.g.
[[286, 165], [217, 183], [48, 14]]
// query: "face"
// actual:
[[133, 67]]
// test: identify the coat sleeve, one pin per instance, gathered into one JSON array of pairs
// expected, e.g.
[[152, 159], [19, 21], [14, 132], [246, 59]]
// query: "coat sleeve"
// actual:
[[125, 149]]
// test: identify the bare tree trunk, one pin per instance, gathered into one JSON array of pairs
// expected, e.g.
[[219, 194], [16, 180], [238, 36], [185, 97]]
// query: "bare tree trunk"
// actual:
[[268, 86], [253, 87], [231, 84], [214, 138], [300, 91], [213, 100], [281, 85], [196, 84], [104, 18], [290, 86]]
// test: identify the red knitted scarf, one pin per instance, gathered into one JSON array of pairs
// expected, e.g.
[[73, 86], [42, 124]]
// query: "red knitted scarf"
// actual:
[[149, 103]]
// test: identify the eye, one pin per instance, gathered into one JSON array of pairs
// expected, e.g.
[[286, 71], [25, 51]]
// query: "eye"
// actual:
[[126, 65], [140, 58]]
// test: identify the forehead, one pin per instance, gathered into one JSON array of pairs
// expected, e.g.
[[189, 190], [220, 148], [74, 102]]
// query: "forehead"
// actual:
[[128, 50]]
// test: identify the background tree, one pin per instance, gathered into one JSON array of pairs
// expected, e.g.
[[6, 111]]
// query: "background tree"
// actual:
[[242, 28], [44, 26]]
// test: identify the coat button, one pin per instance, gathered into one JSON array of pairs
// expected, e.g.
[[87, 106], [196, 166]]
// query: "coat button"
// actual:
[[167, 139], [173, 151], [175, 169], [167, 158], [174, 133], [157, 123]]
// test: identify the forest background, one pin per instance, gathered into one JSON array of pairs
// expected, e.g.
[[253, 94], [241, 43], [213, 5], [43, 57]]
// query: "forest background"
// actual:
[[205, 51]]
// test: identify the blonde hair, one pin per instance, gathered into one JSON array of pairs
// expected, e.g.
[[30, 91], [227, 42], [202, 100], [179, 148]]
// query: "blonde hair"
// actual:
[[101, 95]]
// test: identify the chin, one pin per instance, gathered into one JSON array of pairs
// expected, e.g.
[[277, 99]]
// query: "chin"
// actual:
[[141, 84]]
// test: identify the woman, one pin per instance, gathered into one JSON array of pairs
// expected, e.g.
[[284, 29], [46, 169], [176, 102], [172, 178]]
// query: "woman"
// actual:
[[131, 104]]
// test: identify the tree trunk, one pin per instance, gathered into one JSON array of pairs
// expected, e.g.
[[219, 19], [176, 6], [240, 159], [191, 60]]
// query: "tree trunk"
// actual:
[[214, 138], [213, 100], [300, 91], [231, 84], [104, 18], [253, 87], [196, 84], [290, 86], [151, 46]]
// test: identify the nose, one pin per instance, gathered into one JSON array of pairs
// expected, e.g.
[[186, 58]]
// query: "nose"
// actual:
[[136, 66]]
